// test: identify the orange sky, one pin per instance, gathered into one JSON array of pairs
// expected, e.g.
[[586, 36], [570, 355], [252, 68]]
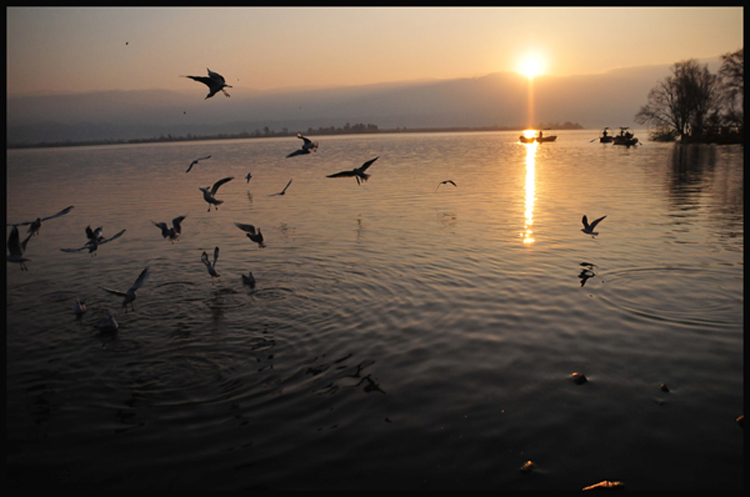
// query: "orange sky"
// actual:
[[86, 49]]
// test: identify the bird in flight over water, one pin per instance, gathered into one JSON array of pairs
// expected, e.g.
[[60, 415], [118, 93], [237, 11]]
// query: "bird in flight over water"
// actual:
[[211, 266], [209, 195], [307, 147], [358, 172], [253, 234], [95, 239], [282, 192], [196, 161], [214, 81], [16, 248], [589, 228], [444, 182], [130, 294], [172, 233], [37, 223]]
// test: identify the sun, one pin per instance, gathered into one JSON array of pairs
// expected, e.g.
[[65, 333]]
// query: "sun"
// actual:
[[531, 67]]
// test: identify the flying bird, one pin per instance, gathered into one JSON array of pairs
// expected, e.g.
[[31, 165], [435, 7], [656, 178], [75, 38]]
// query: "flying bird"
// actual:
[[307, 147], [208, 195], [249, 279], [589, 228], [37, 223], [249, 175], [444, 182], [95, 239], [358, 173], [253, 234], [16, 248], [282, 192], [130, 294], [214, 81], [172, 233], [211, 266], [196, 161]]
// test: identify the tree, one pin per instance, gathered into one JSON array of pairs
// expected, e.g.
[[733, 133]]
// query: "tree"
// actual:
[[683, 103], [732, 81]]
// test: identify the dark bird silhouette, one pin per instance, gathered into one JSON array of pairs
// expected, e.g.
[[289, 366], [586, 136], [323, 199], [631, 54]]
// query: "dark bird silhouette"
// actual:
[[172, 233], [253, 234], [444, 182], [16, 248], [307, 147], [249, 279], [249, 175], [214, 81], [37, 223], [196, 161], [358, 173], [130, 294], [211, 266], [282, 192], [95, 239], [209, 195], [589, 228]]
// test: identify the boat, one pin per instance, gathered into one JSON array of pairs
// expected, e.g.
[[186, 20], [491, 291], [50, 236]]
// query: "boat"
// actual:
[[537, 139], [606, 138], [625, 138]]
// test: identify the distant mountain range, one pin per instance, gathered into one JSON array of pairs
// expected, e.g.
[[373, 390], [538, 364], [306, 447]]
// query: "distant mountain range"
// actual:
[[499, 99]]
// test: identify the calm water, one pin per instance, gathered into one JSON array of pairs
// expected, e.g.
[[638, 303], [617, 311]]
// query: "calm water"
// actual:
[[398, 336]]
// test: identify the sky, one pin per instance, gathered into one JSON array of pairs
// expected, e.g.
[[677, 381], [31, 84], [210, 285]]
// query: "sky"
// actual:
[[66, 49]]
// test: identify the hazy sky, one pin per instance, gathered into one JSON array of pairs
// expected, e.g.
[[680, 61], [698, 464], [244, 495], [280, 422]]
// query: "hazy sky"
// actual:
[[84, 49]]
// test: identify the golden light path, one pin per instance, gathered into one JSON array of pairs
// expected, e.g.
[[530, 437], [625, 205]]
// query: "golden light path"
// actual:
[[528, 234]]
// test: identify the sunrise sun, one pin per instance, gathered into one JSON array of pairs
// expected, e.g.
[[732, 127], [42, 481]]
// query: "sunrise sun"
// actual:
[[530, 66]]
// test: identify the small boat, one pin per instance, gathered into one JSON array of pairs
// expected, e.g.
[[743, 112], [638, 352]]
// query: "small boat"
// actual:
[[537, 139], [606, 138], [625, 138]]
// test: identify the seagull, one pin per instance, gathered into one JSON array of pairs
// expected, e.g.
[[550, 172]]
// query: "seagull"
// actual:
[[37, 223], [95, 239], [130, 294], [282, 192], [589, 228], [196, 161], [249, 279], [16, 248], [172, 233], [249, 175], [307, 147], [358, 173], [214, 81], [110, 326], [208, 195], [444, 182], [209, 265], [251, 233], [80, 308]]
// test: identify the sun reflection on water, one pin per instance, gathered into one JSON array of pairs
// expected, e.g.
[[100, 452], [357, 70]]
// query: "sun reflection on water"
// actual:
[[527, 234]]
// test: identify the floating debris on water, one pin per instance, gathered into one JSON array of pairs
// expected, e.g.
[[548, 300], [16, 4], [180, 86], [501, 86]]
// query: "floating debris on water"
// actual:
[[527, 467], [579, 378], [606, 485], [664, 387]]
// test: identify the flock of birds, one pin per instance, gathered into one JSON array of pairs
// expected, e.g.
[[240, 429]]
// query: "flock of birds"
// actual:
[[95, 237]]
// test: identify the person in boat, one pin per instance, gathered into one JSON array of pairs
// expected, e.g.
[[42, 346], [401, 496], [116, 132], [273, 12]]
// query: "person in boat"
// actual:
[[604, 133], [541, 135]]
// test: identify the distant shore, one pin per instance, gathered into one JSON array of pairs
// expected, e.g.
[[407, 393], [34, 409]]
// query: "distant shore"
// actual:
[[266, 133]]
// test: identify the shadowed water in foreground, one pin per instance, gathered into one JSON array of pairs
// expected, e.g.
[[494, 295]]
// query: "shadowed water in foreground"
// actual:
[[399, 335]]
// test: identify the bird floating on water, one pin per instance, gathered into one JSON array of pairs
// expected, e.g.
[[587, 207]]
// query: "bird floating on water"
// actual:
[[211, 266], [110, 326], [16, 248], [249, 279], [80, 308], [589, 228], [130, 294], [37, 223], [307, 147], [196, 161], [172, 233], [358, 173], [253, 234], [214, 81], [208, 195], [282, 192], [95, 239], [444, 182]]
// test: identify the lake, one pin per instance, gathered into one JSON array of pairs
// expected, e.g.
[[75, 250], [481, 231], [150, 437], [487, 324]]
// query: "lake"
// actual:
[[402, 334]]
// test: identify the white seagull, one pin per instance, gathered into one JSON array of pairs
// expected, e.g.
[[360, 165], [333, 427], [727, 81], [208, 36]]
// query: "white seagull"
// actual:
[[130, 294], [172, 233], [257, 237], [37, 223], [196, 161], [211, 266], [16, 248], [589, 228], [208, 195], [95, 239], [282, 192], [214, 81], [307, 147], [358, 173]]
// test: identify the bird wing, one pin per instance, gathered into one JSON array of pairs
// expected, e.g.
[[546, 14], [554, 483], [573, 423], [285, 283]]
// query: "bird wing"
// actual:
[[287, 186], [140, 280], [14, 242], [306, 140], [215, 76], [26, 240], [342, 174], [585, 222], [296, 152], [114, 292], [177, 223], [216, 256], [118, 235], [246, 227], [93, 234], [367, 164], [162, 226], [203, 79], [216, 186], [595, 222], [61, 213], [76, 250], [204, 259]]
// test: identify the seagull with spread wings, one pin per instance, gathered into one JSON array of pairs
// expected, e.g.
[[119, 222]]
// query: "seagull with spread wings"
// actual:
[[95, 238], [282, 192], [214, 81], [196, 161], [211, 266], [307, 147], [209, 194], [37, 223], [253, 234], [130, 294], [589, 228], [172, 233], [358, 172], [16, 248]]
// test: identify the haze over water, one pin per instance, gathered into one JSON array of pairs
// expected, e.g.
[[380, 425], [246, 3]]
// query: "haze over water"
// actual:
[[400, 334]]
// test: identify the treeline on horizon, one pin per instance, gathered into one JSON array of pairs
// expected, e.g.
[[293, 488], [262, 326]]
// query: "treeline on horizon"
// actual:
[[267, 132]]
